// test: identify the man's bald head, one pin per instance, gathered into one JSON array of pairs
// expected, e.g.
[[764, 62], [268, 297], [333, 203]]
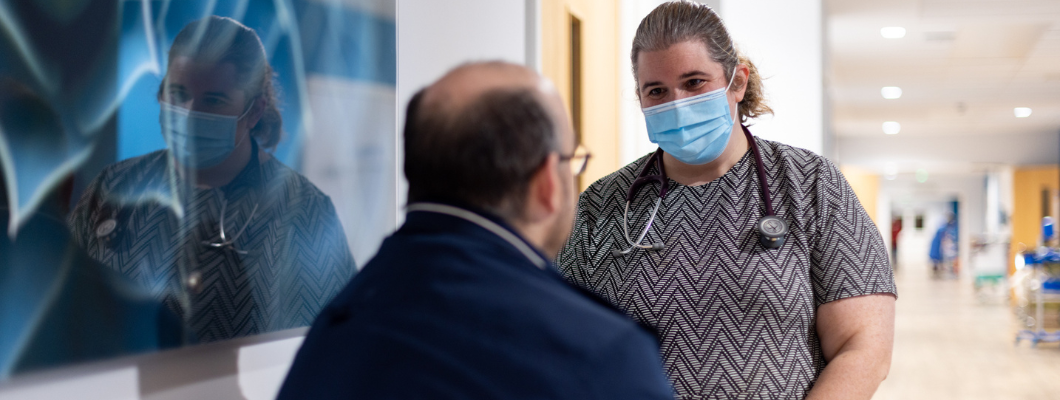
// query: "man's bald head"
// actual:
[[469, 82], [478, 134]]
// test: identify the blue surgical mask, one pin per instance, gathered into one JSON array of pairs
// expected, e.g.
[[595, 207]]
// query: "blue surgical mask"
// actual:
[[695, 130], [198, 139]]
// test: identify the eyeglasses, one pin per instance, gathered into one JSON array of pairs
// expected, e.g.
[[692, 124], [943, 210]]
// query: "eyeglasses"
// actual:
[[578, 161]]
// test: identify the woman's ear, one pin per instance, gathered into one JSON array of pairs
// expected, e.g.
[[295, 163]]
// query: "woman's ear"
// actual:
[[257, 110], [742, 78]]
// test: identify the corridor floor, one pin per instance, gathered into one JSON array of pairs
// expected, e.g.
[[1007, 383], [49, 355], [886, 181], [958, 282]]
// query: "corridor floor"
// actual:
[[949, 345]]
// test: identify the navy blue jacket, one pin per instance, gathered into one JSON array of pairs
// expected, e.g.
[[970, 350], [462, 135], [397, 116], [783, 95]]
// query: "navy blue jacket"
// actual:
[[450, 310]]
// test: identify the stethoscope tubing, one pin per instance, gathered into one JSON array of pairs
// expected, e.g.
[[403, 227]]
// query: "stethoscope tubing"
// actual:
[[643, 179]]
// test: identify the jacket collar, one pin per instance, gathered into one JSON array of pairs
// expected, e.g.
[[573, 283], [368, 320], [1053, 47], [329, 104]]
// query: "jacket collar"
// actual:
[[486, 221]]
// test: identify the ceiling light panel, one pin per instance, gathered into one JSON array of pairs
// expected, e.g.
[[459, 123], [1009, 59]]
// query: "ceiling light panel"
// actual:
[[893, 32], [892, 127], [891, 92]]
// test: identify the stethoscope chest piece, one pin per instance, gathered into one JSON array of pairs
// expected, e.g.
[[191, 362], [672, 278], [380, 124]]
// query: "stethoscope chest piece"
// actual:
[[772, 231]]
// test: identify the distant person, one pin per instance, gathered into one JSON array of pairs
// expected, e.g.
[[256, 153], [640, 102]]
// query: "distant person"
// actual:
[[943, 251], [753, 259], [896, 229], [461, 302], [58, 305], [231, 238]]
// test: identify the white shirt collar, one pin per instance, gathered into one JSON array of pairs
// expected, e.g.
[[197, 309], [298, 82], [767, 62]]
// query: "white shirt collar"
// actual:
[[486, 224]]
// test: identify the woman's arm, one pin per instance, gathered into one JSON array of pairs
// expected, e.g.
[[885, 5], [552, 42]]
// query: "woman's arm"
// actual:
[[857, 336]]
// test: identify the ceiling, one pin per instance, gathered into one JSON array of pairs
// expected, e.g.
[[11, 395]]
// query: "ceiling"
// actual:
[[963, 66]]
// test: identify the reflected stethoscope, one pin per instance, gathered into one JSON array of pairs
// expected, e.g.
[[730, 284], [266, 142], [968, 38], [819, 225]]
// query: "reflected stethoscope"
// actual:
[[772, 230], [107, 229], [225, 240]]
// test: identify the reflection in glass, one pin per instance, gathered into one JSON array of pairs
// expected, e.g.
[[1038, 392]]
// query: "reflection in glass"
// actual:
[[209, 202], [226, 235], [57, 305]]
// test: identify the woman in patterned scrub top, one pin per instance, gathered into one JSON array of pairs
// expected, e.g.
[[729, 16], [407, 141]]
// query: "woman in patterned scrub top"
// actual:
[[231, 239], [735, 320]]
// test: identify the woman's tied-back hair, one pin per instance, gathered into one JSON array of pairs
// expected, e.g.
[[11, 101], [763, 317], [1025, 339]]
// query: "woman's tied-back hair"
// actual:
[[215, 40], [679, 21]]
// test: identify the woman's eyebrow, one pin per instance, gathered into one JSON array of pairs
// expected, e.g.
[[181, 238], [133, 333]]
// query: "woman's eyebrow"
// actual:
[[690, 74], [648, 84], [218, 94], [685, 75]]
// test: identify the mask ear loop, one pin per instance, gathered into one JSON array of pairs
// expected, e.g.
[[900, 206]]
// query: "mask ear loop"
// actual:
[[241, 117], [731, 80]]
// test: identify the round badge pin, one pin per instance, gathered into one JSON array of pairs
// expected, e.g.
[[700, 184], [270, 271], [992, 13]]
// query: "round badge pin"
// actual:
[[105, 228]]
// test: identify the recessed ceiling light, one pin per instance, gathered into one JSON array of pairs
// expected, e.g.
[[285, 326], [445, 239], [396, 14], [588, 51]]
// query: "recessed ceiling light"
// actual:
[[1022, 112], [893, 32], [921, 175], [891, 127], [890, 171], [891, 92]]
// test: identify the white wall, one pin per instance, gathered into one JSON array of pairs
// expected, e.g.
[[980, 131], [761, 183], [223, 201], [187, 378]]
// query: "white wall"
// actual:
[[785, 40], [435, 36]]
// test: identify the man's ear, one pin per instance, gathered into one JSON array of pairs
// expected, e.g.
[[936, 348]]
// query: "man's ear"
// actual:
[[543, 190]]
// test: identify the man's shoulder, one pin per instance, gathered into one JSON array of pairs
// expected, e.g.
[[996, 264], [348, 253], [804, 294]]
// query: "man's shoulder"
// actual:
[[469, 317], [482, 281]]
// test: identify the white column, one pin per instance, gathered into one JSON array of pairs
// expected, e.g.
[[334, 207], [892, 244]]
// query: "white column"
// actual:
[[785, 40], [435, 36]]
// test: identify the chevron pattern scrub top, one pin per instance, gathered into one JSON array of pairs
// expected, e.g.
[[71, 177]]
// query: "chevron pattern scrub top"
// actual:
[[735, 320], [140, 218]]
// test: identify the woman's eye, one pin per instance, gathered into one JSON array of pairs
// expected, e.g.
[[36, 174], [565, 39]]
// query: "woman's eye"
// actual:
[[694, 83], [656, 92], [176, 97]]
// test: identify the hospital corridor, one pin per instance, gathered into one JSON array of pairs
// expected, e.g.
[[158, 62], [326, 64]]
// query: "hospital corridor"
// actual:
[[530, 199], [952, 344]]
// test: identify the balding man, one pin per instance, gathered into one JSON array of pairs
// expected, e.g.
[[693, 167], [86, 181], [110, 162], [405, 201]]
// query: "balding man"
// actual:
[[461, 302]]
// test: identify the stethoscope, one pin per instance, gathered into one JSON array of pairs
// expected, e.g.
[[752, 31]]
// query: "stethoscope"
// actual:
[[772, 230], [106, 230]]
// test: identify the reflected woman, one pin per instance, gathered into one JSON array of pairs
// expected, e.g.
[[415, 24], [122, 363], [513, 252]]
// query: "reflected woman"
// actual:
[[233, 240]]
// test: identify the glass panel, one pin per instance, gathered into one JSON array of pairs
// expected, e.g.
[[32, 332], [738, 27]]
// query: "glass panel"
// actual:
[[182, 172]]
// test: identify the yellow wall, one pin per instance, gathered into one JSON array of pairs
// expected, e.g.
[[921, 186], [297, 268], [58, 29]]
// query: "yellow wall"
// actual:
[[1027, 185], [866, 186], [599, 127]]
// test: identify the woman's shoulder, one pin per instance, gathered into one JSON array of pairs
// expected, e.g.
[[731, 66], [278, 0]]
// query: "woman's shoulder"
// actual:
[[295, 186], [131, 172], [787, 152], [153, 160], [797, 162]]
